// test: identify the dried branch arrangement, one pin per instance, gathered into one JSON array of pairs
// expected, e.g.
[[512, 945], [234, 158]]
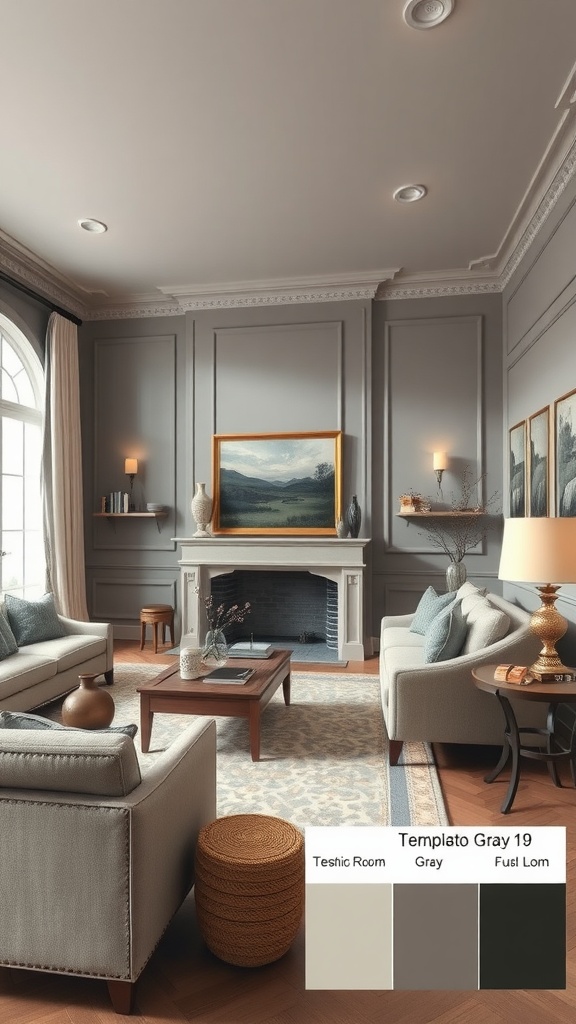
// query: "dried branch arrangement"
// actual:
[[459, 535]]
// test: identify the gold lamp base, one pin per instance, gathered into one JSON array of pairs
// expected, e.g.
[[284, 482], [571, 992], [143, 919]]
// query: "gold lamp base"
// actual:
[[549, 626]]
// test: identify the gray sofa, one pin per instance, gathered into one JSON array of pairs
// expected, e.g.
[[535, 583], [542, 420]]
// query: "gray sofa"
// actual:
[[438, 702], [96, 859], [40, 672]]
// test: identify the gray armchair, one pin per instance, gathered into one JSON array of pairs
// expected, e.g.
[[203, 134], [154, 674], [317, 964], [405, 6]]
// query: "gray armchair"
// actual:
[[95, 860]]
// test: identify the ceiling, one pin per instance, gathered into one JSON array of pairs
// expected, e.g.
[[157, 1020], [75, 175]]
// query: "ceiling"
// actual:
[[239, 149]]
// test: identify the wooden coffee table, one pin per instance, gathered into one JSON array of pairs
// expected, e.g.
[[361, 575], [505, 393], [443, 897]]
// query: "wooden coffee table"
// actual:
[[169, 694]]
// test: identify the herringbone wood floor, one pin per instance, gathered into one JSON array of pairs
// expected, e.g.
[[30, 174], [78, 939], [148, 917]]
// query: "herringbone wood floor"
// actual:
[[184, 982]]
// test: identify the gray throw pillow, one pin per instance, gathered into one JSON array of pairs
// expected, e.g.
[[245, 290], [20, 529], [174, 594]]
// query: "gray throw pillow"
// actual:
[[8, 643], [446, 635], [429, 606], [33, 621], [23, 720]]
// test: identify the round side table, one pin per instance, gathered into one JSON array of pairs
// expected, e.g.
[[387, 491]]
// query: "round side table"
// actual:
[[156, 615], [555, 695]]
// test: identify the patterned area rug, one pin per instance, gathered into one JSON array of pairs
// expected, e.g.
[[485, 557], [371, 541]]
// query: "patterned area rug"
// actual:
[[323, 758]]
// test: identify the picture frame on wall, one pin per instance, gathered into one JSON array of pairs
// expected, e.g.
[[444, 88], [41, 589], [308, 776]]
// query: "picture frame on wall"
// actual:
[[538, 462], [277, 483], [517, 461], [565, 454]]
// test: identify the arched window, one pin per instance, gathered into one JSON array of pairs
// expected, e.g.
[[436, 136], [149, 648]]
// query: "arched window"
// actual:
[[22, 564]]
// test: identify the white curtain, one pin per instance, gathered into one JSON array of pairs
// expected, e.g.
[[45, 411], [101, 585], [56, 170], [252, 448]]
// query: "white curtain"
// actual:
[[62, 471]]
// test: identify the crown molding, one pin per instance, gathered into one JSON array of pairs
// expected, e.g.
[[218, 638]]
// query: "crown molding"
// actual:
[[437, 284], [280, 291], [25, 266]]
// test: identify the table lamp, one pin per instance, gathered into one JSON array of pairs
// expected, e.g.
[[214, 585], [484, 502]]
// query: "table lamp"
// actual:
[[542, 549]]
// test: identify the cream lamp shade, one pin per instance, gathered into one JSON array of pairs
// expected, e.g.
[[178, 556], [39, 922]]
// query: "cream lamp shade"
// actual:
[[539, 550], [542, 551], [130, 467], [440, 460]]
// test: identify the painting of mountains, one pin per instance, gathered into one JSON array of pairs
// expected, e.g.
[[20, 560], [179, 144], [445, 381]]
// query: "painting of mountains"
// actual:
[[276, 483]]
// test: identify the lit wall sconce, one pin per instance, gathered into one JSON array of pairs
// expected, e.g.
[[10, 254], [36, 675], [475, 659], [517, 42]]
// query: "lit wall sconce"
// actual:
[[439, 463], [131, 469]]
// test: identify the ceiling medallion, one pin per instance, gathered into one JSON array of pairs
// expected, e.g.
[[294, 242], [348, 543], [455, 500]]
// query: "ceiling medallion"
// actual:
[[409, 193], [426, 13], [97, 227]]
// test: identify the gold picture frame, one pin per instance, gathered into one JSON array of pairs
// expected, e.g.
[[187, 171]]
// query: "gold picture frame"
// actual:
[[538, 463], [279, 484], [565, 454], [517, 470]]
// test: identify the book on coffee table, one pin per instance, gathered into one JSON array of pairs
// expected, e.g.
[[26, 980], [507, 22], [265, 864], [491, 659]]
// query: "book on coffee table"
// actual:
[[227, 674], [250, 649]]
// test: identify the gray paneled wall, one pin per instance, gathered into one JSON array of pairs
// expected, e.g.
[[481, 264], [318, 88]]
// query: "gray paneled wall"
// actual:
[[436, 387], [540, 355], [158, 389]]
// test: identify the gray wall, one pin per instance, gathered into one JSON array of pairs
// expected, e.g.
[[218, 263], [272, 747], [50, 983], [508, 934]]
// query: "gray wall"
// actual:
[[158, 389], [28, 314], [437, 386], [540, 352]]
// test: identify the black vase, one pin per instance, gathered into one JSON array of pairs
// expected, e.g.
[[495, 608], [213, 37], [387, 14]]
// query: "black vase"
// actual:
[[353, 517]]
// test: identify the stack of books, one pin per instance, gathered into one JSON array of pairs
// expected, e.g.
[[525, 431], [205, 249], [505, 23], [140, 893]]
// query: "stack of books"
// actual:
[[250, 649]]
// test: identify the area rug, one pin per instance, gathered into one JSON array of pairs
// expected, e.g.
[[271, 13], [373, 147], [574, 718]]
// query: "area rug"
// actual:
[[323, 759]]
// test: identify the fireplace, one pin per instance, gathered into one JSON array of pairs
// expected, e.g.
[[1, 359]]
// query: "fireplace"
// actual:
[[307, 584]]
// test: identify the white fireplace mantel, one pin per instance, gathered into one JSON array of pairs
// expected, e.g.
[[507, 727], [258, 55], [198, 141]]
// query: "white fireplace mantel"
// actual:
[[340, 560]]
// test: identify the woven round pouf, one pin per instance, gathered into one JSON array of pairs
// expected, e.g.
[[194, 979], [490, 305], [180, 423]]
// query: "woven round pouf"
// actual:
[[249, 887]]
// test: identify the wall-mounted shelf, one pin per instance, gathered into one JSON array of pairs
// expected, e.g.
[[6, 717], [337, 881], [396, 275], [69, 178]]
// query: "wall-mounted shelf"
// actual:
[[131, 515], [439, 515]]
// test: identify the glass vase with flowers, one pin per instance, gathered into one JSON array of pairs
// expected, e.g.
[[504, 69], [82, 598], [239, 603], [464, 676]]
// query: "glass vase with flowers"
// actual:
[[215, 648]]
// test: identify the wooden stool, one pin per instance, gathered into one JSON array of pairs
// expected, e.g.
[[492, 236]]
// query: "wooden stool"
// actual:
[[249, 887], [156, 615]]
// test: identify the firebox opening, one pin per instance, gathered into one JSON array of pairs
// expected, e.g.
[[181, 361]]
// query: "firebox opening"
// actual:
[[285, 606]]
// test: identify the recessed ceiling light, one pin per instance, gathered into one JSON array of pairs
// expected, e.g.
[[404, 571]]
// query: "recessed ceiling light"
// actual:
[[95, 226], [426, 13], [409, 193]]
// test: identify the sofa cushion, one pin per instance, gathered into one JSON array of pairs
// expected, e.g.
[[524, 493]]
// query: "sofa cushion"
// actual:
[[69, 650], [8, 643], [25, 720], [33, 621], [446, 635], [485, 625], [102, 764], [469, 595], [400, 636], [21, 670], [429, 606]]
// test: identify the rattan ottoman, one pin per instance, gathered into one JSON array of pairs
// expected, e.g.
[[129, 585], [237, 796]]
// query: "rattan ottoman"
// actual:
[[249, 887]]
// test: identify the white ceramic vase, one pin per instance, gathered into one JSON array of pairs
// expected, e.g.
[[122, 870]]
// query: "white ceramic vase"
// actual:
[[191, 664], [201, 506]]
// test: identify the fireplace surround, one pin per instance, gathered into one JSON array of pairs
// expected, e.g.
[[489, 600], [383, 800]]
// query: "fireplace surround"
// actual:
[[339, 560]]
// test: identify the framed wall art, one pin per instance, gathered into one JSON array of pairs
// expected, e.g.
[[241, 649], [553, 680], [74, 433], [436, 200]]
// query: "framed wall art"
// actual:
[[517, 457], [565, 454], [538, 462], [277, 483]]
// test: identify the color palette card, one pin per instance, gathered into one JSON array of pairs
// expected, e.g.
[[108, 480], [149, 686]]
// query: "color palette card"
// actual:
[[435, 908]]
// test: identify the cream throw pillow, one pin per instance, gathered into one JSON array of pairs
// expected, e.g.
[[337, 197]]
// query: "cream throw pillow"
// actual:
[[486, 625]]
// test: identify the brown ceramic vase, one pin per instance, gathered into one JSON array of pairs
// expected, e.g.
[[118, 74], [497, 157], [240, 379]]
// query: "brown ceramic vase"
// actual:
[[88, 707]]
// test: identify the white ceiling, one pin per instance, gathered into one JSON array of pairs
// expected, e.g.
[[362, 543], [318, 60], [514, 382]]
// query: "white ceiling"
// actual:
[[260, 141]]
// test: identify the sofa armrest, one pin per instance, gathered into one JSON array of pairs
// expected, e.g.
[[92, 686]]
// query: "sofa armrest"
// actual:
[[397, 620], [103, 629]]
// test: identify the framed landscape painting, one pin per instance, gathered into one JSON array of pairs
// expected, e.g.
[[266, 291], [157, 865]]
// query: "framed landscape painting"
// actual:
[[565, 450], [517, 454], [538, 447], [277, 483]]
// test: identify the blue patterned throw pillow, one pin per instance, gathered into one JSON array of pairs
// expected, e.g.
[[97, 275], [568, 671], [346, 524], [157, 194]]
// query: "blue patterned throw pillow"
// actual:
[[446, 635], [33, 621], [8, 643], [23, 720], [429, 606]]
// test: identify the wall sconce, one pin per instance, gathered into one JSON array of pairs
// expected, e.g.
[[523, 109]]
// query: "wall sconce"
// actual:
[[439, 464], [131, 469]]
